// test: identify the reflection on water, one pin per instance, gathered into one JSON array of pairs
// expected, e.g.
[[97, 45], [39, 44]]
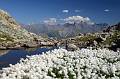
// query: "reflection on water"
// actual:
[[13, 56], [3, 52], [30, 50]]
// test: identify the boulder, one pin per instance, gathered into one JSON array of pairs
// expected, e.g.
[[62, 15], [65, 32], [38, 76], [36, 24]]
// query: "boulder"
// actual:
[[72, 47]]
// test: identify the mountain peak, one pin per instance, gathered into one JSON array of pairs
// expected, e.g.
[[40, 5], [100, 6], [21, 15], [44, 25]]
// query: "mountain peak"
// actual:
[[6, 19], [3, 12]]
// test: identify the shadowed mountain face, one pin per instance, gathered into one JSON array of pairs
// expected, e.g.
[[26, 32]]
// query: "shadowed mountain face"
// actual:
[[66, 29], [115, 27]]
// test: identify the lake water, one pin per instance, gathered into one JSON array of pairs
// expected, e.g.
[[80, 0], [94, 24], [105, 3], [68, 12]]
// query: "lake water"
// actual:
[[13, 56]]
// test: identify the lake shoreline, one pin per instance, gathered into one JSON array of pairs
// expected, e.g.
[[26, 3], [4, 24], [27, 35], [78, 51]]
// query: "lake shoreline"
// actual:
[[13, 56], [25, 46]]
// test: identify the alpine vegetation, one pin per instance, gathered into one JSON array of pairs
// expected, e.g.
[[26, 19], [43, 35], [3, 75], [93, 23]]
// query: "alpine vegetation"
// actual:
[[63, 64]]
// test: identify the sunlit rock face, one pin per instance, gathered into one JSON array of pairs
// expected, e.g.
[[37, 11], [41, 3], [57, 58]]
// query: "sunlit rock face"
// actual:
[[7, 20], [63, 64]]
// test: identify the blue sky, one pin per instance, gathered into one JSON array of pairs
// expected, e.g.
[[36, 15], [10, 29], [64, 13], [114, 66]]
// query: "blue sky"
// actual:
[[27, 11]]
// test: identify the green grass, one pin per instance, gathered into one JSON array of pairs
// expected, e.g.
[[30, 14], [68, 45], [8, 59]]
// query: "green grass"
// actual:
[[86, 38], [113, 38], [56, 72]]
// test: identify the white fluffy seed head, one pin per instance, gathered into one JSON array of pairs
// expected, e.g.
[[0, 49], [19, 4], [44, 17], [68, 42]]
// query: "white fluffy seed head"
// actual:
[[77, 64]]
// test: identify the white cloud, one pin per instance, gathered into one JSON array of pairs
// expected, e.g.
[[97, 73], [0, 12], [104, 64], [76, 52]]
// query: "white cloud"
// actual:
[[51, 21], [106, 10], [71, 20], [78, 19], [65, 11], [77, 11]]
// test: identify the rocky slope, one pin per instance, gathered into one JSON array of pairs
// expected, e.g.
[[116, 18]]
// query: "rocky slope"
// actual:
[[12, 34], [112, 28]]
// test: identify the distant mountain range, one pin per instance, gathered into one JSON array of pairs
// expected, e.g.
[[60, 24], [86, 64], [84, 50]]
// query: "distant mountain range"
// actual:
[[65, 29]]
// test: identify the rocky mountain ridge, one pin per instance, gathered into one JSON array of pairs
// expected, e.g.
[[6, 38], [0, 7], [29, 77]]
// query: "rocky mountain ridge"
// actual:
[[7, 20], [65, 30]]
